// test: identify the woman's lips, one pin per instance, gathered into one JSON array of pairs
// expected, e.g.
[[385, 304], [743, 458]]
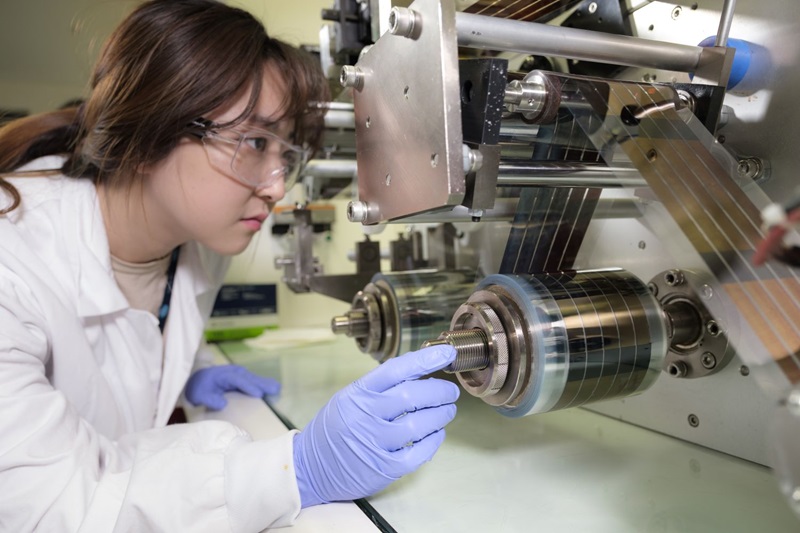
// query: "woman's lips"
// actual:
[[254, 223]]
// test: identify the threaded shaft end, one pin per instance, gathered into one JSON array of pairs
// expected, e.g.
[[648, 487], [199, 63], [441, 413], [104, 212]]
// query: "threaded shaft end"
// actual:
[[472, 347]]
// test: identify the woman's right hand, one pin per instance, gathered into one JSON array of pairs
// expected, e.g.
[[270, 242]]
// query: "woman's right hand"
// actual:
[[377, 429]]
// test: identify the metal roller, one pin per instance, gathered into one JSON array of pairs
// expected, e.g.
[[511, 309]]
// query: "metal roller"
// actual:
[[532, 344], [396, 312]]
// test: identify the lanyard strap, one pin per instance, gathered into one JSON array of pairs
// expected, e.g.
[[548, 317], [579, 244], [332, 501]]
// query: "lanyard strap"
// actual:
[[163, 311]]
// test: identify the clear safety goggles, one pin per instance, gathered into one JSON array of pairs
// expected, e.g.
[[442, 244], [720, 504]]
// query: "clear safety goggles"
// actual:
[[257, 158]]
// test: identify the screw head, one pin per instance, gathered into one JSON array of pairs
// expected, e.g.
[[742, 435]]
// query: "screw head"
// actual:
[[708, 360], [352, 76], [693, 420], [678, 369], [404, 22], [357, 211], [674, 277]]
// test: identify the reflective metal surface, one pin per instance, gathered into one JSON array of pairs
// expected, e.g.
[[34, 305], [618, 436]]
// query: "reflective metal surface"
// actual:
[[396, 312], [491, 33], [646, 126], [410, 101], [697, 345], [554, 341]]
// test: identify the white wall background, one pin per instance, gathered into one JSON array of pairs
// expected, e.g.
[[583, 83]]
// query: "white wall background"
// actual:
[[47, 49]]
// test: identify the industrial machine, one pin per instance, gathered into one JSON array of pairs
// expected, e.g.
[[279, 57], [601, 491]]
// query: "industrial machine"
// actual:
[[623, 173]]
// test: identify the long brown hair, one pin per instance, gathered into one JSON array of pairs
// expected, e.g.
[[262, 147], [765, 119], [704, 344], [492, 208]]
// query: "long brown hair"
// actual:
[[168, 63]]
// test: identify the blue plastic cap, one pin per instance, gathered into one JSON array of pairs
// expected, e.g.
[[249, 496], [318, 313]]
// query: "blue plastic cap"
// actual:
[[741, 59]]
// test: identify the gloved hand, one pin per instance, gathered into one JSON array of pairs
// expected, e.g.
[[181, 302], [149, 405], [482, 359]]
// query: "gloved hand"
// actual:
[[207, 386], [377, 429]]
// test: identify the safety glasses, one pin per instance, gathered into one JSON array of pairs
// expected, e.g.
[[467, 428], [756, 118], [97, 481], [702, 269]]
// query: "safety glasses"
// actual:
[[257, 158]]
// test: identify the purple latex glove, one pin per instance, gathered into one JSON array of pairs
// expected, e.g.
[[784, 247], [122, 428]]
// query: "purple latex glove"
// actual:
[[207, 386], [376, 430]]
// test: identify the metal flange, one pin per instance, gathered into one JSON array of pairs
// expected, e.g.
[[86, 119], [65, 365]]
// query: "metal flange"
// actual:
[[698, 345]]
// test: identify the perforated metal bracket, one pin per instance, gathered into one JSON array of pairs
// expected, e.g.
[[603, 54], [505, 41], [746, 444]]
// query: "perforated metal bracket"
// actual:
[[408, 119]]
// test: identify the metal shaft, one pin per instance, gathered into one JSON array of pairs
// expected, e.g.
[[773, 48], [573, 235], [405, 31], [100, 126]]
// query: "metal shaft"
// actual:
[[491, 33], [330, 168], [472, 349], [336, 118], [506, 209], [354, 323], [684, 323], [557, 174], [725, 21]]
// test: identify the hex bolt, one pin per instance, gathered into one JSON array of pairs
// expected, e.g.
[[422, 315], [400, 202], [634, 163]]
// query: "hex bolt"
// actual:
[[352, 76], [708, 360], [357, 211], [405, 22]]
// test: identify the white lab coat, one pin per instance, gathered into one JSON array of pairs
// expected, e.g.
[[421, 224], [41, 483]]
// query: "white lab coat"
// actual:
[[86, 388]]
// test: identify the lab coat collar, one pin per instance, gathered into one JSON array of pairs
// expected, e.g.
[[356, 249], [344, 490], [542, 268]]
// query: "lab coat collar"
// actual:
[[99, 293]]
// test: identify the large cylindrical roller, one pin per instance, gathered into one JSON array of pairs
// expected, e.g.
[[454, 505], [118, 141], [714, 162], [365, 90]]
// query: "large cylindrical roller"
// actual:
[[532, 344]]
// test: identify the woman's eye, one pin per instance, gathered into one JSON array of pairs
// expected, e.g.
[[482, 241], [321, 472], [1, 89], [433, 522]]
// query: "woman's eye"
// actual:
[[257, 143]]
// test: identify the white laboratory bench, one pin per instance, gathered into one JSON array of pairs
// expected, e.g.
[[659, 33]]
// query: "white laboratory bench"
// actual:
[[567, 471]]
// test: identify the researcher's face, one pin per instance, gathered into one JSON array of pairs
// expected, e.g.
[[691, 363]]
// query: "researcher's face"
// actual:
[[204, 200]]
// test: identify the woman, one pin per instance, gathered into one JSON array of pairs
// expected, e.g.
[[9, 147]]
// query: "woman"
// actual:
[[117, 219]]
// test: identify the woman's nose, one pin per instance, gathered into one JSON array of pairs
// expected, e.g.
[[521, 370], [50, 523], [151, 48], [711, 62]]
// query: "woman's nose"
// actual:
[[272, 192]]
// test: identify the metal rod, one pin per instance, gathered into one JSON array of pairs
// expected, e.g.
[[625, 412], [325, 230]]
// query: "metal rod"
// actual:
[[505, 209], [491, 33], [725, 22], [339, 106], [340, 118], [330, 168], [566, 175]]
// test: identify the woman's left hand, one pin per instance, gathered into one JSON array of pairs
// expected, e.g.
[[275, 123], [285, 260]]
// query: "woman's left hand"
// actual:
[[208, 386]]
